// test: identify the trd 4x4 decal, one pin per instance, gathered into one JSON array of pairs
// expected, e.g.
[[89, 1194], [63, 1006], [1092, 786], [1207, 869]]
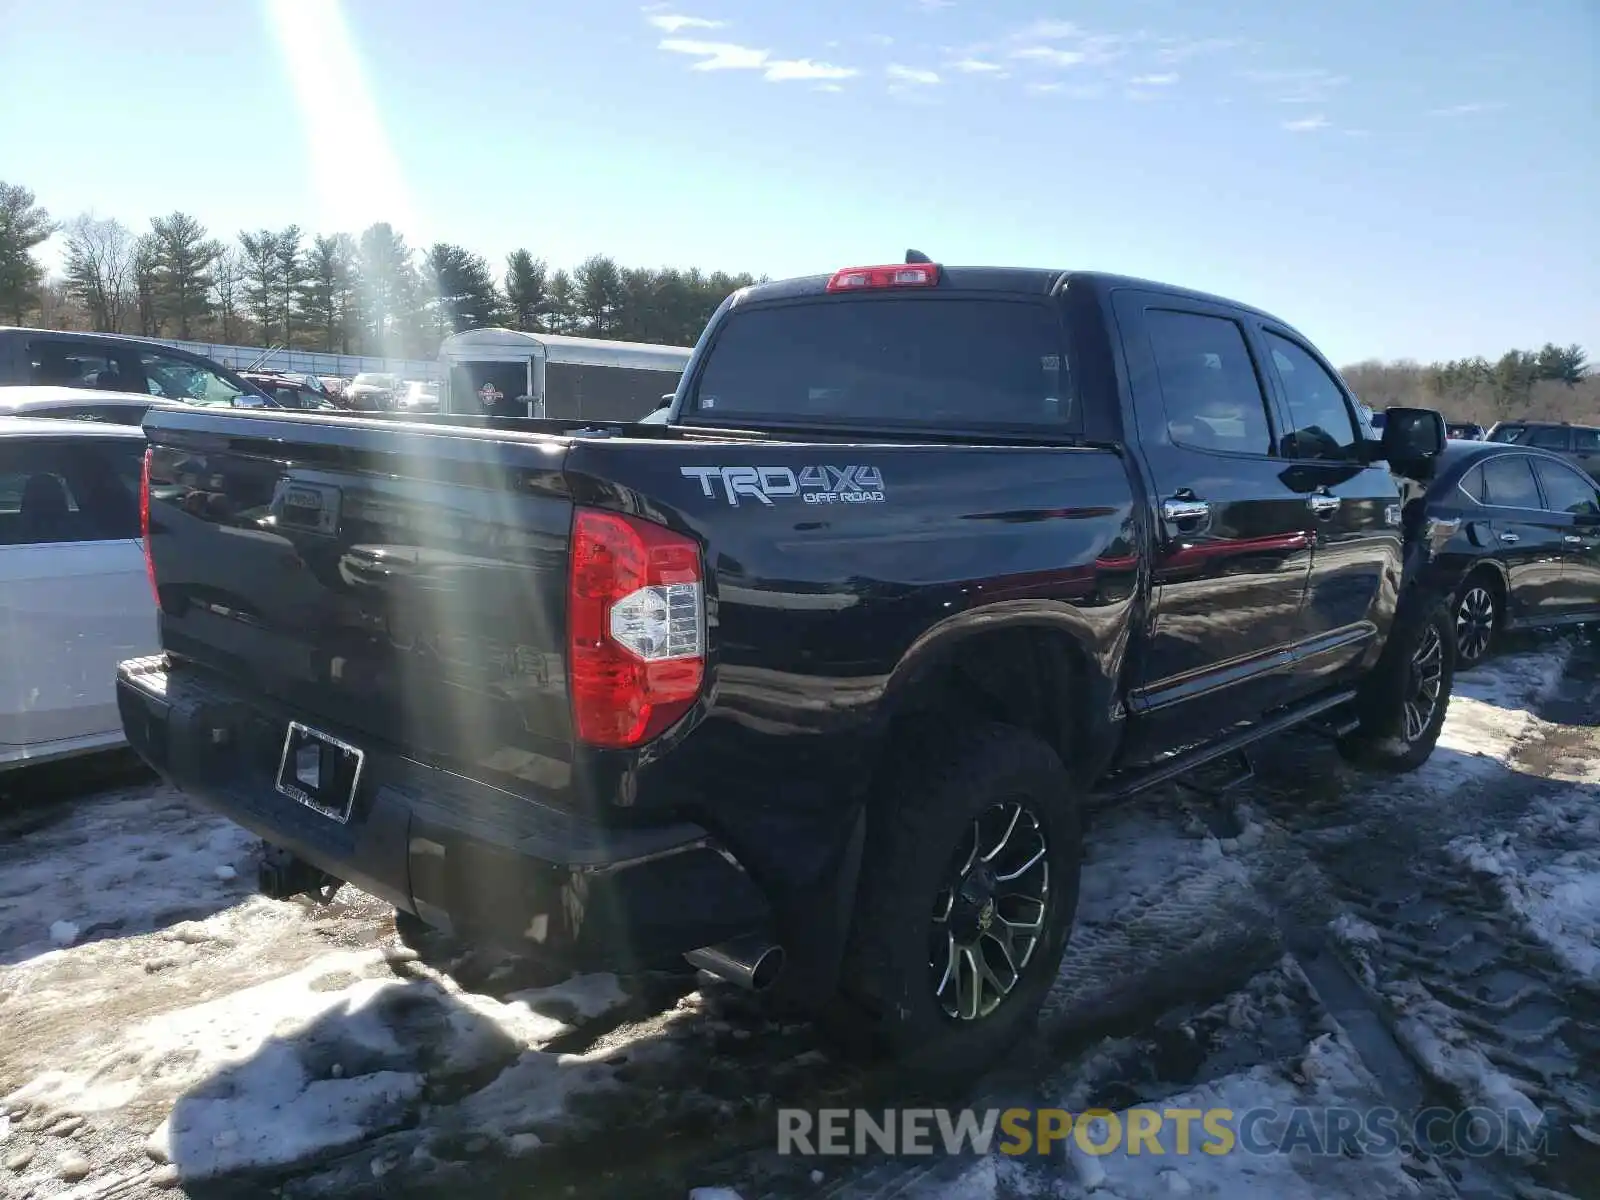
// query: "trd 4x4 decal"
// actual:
[[814, 485]]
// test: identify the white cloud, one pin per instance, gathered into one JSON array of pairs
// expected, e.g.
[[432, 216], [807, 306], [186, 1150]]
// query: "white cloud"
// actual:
[[827, 87], [784, 70], [677, 22], [976, 66], [1049, 31], [1074, 91], [1307, 124], [913, 75], [1466, 110], [1175, 50], [1050, 55], [1302, 86], [718, 56], [1164, 80], [934, 5], [730, 56]]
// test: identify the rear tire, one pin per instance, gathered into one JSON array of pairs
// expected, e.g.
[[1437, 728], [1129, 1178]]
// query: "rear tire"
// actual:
[[1405, 698], [969, 888], [1476, 611]]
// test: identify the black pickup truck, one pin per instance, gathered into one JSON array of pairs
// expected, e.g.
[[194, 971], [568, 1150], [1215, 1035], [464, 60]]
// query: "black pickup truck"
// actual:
[[813, 683]]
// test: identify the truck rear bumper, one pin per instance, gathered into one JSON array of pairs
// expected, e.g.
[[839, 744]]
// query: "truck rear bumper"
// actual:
[[464, 856]]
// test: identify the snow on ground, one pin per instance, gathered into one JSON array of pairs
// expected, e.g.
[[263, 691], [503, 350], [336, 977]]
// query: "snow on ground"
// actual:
[[1490, 712], [157, 1011], [1547, 870], [129, 863]]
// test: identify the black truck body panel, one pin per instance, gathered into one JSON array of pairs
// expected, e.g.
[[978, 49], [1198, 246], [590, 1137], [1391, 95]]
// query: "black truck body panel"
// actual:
[[403, 586]]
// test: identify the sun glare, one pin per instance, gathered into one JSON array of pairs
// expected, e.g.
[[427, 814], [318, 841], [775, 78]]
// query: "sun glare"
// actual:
[[356, 176]]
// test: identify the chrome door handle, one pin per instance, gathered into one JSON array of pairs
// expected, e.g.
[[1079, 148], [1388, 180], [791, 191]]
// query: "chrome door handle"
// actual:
[[1185, 510], [1323, 505], [1509, 538]]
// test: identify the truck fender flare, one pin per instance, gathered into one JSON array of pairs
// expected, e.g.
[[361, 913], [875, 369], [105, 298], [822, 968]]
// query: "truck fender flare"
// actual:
[[1091, 634]]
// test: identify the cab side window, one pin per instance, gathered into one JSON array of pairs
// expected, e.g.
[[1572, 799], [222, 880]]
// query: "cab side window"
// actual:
[[175, 378], [1321, 425], [1209, 386]]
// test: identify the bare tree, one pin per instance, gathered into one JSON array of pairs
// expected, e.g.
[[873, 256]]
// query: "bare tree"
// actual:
[[227, 278], [100, 260], [147, 284]]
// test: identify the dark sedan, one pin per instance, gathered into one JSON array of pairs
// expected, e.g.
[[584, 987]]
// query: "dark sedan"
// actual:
[[1523, 545]]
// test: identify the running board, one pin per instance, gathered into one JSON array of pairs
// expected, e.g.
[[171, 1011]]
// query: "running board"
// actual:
[[1123, 786], [1243, 772]]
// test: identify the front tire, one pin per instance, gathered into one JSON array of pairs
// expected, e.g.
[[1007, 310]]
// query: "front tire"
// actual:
[[1404, 700], [969, 888], [1477, 616]]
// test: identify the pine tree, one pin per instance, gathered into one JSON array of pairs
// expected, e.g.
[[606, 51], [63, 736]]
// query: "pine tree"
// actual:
[[24, 226], [527, 295], [182, 260]]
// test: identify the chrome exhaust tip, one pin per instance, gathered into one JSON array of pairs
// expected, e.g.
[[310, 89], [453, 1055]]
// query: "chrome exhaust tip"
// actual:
[[751, 962]]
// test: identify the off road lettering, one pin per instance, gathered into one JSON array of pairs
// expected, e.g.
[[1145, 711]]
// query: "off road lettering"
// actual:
[[821, 484]]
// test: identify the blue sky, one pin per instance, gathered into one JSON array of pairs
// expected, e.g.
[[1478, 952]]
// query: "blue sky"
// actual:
[[1399, 178]]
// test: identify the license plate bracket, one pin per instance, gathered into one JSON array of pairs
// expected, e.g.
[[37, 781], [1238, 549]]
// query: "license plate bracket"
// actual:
[[320, 771]]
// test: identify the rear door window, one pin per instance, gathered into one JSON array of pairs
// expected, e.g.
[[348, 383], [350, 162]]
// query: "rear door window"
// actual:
[[71, 362], [914, 361], [1548, 439], [1508, 482], [68, 490], [1209, 387]]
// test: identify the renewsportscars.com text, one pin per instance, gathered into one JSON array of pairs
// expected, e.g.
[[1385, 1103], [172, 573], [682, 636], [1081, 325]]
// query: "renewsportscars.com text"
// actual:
[[1158, 1131]]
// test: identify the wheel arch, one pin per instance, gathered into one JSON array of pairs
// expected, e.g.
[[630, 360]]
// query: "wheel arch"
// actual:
[[1045, 671]]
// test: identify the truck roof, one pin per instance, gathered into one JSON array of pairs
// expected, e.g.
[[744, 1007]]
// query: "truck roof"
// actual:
[[1042, 280]]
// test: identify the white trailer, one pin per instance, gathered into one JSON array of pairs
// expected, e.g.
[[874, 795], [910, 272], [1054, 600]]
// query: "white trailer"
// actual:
[[509, 372]]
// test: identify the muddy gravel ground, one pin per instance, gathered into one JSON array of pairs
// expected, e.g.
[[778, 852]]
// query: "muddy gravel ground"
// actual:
[[1315, 937]]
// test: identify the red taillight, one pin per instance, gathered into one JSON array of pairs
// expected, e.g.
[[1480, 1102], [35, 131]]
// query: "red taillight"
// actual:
[[144, 525], [635, 627], [860, 279]]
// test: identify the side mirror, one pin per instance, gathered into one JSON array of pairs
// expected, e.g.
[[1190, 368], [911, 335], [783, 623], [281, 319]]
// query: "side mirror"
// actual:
[[1412, 439], [666, 401]]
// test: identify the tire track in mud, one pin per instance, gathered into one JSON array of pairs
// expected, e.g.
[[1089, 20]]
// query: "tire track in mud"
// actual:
[[1167, 924], [1487, 1013]]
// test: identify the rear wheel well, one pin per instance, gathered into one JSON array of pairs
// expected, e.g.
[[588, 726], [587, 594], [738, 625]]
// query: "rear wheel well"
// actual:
[[1023, 677], [1497, 585]]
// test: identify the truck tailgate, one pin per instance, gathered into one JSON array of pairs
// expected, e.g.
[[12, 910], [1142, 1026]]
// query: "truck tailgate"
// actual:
[[404, 584]]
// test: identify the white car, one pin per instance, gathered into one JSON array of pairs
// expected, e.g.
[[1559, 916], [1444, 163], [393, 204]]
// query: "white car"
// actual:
[[420, 396], [78, 404], [75, 597]]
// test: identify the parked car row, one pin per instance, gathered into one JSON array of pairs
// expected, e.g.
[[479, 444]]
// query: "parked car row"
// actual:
[[1579, 444]]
